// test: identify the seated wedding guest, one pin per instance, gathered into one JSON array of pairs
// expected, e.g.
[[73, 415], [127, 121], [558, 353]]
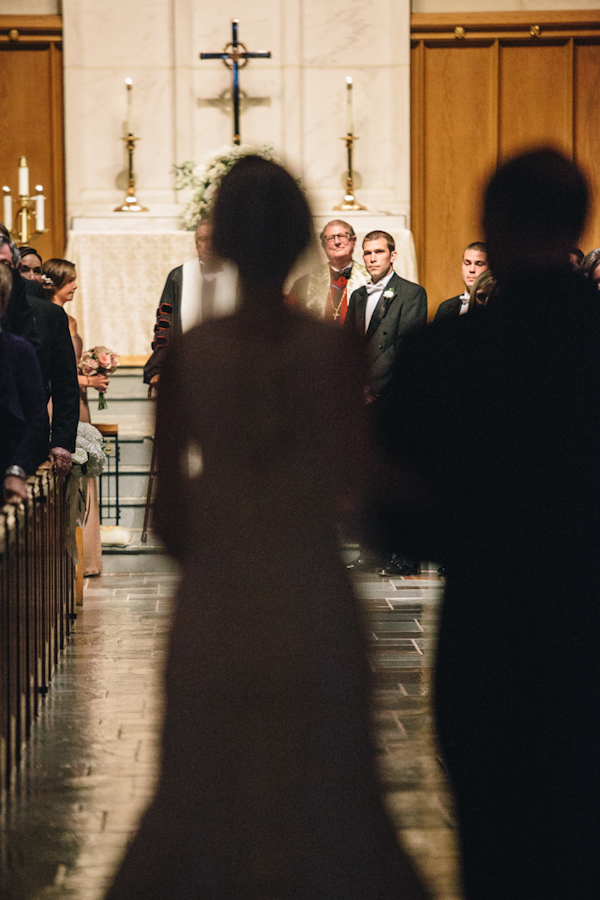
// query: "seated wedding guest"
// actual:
[[63, 283], [202, 288], [31, 264], [590, 267], [474, 261], [326, 289], [23, 412], [268, 786]]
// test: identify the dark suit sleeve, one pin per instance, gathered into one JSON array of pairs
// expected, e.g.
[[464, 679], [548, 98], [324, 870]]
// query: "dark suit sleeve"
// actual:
[[32, 446], [166, 324], [447, 309], [414, 311], [64, 385], [19, 318]]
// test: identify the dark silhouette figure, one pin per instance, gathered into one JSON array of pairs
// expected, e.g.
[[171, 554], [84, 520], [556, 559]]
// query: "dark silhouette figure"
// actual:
[[497, 476], [267, 787]]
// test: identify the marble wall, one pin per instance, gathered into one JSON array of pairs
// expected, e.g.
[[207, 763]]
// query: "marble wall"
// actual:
[[443, 6], [294, 101]]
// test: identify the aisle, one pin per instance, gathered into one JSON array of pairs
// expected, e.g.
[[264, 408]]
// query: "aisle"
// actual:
[[89, 769]]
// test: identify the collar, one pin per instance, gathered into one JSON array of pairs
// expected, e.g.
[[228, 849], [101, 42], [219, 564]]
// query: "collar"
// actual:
[[382, 284], [346, 271]]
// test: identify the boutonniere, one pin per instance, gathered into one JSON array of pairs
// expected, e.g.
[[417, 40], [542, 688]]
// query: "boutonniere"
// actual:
[[388, 294]]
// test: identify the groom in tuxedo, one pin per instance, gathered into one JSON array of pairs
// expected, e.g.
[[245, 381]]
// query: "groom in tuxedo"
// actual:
[[383, 312]]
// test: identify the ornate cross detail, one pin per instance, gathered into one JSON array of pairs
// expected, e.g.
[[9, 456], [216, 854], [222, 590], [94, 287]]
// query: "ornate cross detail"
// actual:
[[235, 56]]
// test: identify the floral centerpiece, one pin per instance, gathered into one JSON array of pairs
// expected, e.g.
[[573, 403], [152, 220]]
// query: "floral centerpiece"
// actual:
[[205, 177], [98, 361]]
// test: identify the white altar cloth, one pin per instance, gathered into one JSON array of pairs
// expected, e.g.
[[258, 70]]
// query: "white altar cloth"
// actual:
[[120, 276]]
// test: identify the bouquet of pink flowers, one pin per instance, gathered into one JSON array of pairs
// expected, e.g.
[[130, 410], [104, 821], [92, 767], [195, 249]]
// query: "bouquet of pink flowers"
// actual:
[[98, 361]]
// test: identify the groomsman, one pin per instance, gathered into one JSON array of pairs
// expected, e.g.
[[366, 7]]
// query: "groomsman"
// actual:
[[474, 262], [326, 289], [383, 312]]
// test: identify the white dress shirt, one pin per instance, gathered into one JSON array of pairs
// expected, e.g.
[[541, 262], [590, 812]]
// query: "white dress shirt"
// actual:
[[464, 300], [374, 298]]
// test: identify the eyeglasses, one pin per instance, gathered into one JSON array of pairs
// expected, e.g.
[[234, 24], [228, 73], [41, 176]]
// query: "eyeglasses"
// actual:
[[343, 237]]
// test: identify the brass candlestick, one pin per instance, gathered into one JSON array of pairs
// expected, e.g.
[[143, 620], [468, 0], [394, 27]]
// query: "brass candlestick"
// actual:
[[349, 202], [131, 203], [28, 210]]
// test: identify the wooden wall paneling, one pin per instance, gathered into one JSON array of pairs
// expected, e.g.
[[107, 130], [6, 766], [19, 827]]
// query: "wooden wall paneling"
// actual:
[[32, 118], [535, 97], [57, 209], [587, 130], [417, 148], [459, 153]]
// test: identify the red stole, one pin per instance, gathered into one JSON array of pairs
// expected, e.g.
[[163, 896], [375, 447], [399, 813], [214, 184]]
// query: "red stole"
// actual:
[[337, 298]]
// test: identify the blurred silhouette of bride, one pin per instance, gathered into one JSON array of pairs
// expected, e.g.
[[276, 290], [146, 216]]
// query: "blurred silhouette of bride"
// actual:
[[268, 787]]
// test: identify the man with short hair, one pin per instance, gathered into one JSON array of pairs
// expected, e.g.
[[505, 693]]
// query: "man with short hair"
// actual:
[[385, 310], [474, 262], [326, 289], [202, 288]]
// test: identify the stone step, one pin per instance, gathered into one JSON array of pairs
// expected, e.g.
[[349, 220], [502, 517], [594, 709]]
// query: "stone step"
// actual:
[[131, 513]]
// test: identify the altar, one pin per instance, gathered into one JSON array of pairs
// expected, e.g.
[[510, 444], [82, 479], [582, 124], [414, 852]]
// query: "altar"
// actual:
[[122, 262]]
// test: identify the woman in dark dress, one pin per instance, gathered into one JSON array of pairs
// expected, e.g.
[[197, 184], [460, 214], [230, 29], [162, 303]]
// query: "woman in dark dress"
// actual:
[[268, 787]]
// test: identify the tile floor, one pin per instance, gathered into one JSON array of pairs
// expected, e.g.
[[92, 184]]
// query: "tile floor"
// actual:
[[90, 766]]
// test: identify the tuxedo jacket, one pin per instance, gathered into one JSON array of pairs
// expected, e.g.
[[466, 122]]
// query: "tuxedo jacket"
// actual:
[[393, 318], [311, 291], [59, 370], [448, 308]]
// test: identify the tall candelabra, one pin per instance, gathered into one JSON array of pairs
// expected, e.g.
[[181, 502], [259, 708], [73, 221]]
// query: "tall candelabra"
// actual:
[[349, 202], [130, 203], [30, 217]]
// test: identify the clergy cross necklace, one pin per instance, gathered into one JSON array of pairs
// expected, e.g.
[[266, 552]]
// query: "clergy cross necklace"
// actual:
[[231, 55]]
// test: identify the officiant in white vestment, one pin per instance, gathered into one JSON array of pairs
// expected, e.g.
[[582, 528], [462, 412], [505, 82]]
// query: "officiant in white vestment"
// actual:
[[202, 288]]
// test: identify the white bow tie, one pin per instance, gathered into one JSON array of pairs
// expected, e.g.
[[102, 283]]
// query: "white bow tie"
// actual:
[[374, 288]]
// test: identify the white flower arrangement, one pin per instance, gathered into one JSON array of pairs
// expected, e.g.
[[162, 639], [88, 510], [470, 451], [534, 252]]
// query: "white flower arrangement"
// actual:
[[88, 450], [205, 177]]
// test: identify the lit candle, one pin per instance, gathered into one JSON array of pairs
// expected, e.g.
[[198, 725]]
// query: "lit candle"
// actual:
[[23, 178], [349, 114], [40, 209], [129, 83], [8, 212]]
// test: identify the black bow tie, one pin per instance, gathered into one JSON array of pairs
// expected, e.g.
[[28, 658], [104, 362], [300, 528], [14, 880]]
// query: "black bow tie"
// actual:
[[347, 272]]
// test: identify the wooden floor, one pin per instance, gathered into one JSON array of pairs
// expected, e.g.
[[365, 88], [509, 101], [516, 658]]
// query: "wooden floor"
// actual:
[[89, 769]]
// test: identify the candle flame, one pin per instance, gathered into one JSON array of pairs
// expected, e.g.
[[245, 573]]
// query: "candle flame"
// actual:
[[129, 83], [39, 187], [349, 81]]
